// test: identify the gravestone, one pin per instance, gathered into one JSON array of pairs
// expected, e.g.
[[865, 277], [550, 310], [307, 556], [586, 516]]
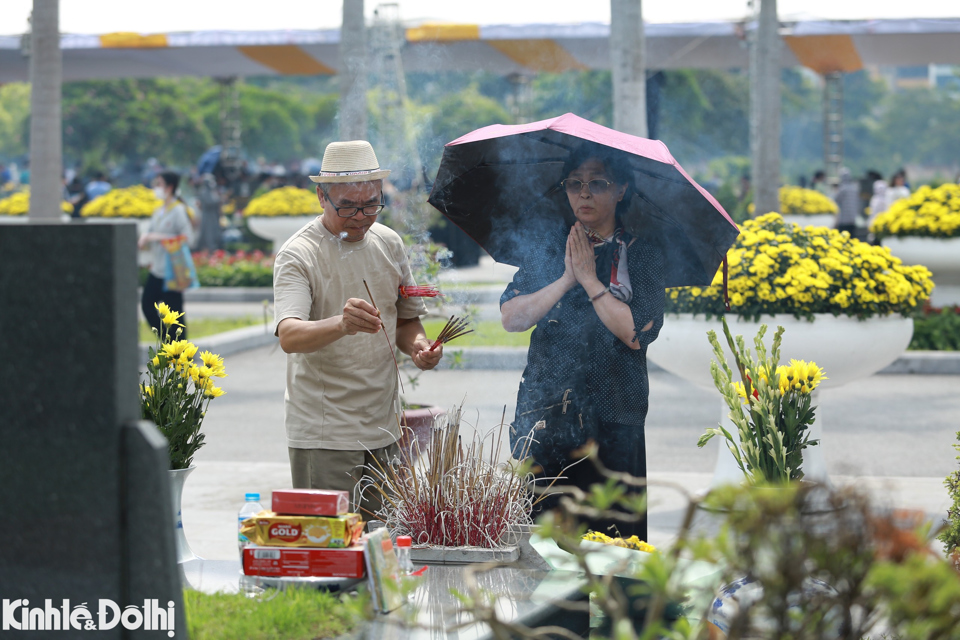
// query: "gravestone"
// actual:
[[84, 491]]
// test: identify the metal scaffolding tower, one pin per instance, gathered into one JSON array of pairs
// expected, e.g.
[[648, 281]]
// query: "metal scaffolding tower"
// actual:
[[396, 145], [833, 126], [230, 129]]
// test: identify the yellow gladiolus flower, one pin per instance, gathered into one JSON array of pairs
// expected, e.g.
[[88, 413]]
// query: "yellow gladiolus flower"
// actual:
[[800, 376]]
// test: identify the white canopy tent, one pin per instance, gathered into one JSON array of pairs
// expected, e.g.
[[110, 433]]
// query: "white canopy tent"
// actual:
[[824, 46]]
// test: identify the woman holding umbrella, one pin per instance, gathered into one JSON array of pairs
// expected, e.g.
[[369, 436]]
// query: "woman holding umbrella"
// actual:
[[595, 294]]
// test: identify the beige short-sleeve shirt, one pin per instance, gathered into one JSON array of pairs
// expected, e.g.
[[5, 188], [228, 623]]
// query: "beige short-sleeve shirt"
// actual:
[[343, 396]]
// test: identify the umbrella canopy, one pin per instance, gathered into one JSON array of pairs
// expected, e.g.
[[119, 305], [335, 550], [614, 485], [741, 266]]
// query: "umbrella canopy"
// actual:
[[501, 183]]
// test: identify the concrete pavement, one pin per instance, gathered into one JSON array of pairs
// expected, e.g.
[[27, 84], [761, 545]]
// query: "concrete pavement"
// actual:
[[891, 434]]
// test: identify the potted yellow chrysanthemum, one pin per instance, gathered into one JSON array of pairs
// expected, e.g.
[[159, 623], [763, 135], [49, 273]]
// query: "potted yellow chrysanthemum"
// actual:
[[844, 303], [925, 229], [175, 393], [805, 207], [280, 213]]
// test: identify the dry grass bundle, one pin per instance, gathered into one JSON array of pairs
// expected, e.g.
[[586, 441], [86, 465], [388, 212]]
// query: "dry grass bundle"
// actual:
[[452, 496]]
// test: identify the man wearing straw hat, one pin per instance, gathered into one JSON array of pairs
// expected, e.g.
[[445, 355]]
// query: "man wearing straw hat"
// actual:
[[341, 404]]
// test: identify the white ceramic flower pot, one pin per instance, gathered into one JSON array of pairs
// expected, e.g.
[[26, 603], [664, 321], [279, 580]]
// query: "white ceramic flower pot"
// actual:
[[278, 229], [817, 220], [177, 479], [941, 256], [846, 349]]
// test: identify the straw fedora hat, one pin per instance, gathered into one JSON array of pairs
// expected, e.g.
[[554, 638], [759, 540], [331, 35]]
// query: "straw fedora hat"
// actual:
[[352, 161]]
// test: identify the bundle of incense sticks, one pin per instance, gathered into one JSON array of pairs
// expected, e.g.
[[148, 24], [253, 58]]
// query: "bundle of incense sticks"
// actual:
[[419, 291], [454, 328]]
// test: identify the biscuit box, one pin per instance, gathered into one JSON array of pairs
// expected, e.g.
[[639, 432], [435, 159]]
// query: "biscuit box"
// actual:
[[272, 530], [310, 502], [303, 562]]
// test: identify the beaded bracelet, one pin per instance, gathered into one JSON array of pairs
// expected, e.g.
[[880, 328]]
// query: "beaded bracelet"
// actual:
[[596, 297]]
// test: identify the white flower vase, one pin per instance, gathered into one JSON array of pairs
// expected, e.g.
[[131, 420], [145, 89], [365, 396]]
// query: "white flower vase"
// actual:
[[941, 256], [278, 229], [177, 478], [828, 220], [846, 348]]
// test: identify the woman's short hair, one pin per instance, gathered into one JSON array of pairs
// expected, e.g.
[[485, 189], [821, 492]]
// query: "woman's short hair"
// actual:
[[171, 179]]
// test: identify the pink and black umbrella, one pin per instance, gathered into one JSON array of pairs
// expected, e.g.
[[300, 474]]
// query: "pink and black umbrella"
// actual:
[[500, 183]]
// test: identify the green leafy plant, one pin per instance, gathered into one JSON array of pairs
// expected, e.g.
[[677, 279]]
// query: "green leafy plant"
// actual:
[[950, 536], [770, 407], [937, 329]]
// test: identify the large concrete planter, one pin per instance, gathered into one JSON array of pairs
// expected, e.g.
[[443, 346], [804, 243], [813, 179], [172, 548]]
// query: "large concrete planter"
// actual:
[[278, 229], [817, 220], [846, 348], [941, 256]]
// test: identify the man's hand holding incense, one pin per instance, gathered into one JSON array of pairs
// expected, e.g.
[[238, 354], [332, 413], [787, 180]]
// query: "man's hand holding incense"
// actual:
[[359, 316], [423, 357]]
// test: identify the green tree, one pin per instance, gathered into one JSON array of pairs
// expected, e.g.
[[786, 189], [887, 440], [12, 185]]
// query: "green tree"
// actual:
[[14, 111], [921, 126], [453, 116], [589, 94], [704, 114], [131, 120], [272, 120]]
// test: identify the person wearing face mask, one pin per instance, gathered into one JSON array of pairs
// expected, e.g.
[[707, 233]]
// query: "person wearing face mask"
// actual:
[[168, 221]]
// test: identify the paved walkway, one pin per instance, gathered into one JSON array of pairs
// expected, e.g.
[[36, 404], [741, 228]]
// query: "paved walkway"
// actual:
[[891, 434]]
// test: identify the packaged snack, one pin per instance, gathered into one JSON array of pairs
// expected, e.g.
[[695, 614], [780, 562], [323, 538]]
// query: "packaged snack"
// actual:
[[310, 502], [272, 530], [303, 562]]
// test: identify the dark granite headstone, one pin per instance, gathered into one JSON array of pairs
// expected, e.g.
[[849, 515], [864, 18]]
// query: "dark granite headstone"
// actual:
[[84, 492]]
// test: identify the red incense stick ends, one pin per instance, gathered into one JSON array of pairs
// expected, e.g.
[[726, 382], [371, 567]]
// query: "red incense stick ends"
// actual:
[[419, 291], [454, 328]]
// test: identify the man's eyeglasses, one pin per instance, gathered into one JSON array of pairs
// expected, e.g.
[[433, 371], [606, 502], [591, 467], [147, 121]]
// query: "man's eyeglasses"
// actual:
[[349, 212], [595, 187]]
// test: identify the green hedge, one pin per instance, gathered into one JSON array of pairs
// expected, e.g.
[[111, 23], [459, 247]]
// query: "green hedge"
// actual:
[[937, 330]]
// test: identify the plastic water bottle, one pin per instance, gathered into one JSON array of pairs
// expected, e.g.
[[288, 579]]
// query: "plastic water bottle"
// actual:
[[250, 508], [403, 554]]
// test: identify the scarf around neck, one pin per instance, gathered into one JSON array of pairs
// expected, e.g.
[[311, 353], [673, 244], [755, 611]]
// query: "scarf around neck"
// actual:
[[619, 274]]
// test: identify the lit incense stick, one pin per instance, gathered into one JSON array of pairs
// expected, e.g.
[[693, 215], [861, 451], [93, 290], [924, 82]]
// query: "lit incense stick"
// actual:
[[389, 346]]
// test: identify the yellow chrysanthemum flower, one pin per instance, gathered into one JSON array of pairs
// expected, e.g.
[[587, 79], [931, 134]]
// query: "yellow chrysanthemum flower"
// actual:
[[162, 308], [285, 201], [776, 267], [215, 362], [931, 213], [212, 390], [172, 318]]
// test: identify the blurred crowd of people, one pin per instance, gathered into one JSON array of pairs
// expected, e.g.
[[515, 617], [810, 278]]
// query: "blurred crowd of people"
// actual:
[[211, 192]]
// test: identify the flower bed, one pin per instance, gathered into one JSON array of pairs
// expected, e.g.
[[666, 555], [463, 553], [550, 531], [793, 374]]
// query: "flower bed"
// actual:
[[19, 204], [240, 269], [797, 201], [928, 213], [285, 201], [775, 267]]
